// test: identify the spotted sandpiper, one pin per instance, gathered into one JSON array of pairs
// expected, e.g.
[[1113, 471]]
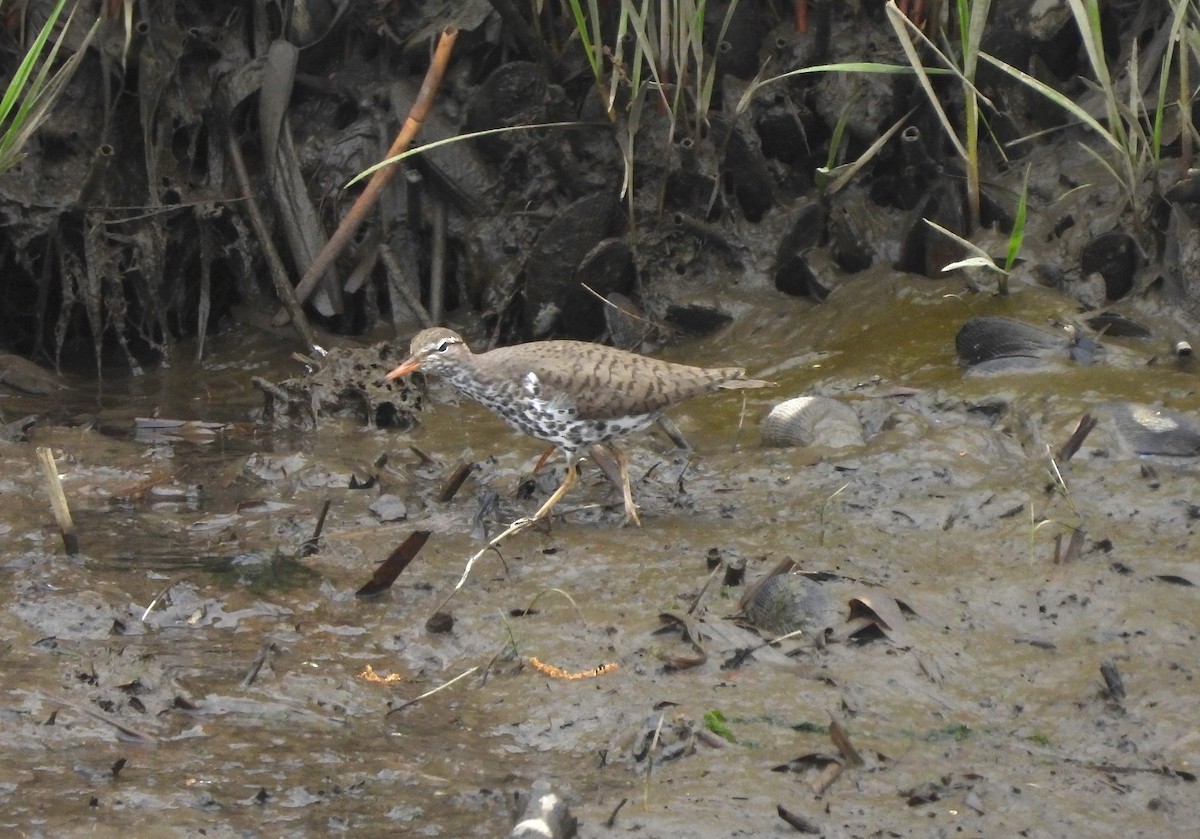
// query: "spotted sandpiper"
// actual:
[[572, 394]]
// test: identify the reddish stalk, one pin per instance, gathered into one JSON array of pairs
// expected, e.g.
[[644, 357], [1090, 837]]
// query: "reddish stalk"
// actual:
[[374, 188]]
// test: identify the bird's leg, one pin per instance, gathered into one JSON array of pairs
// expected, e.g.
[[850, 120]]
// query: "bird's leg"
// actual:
[[569, 480], [542, 460], [627, 491], [672, 430], [537, 467], [615, 466]]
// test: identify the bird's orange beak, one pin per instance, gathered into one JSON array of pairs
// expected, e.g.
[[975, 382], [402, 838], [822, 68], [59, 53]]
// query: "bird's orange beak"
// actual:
[[403, 370]]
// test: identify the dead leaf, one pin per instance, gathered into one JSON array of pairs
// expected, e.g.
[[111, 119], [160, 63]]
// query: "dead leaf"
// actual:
[[886, 609], [689, 627], [841, 741]]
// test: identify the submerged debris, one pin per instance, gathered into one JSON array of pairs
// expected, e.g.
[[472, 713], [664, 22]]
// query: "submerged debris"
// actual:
[[348, 381], [544, 814], [1157, 431]]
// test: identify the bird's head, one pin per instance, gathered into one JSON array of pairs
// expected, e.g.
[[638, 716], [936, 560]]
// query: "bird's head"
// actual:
[[437, 350]]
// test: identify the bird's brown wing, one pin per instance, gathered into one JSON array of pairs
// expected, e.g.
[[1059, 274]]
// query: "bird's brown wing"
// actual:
[[602, 382]]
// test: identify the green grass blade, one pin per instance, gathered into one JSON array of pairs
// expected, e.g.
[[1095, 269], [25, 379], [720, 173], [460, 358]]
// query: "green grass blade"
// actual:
[[839, 130], [1017, 237], [1087, 19], [847, 172], [1057, 98], [458, 138], [1108, 167], [20, 79], [900, 24], [585, 37], [973, 40], [33, 99], [845, 67]]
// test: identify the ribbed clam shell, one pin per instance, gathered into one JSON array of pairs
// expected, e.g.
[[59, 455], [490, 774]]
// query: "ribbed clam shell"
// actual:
[[787, 602], [1011, 364], [1116, 325], [984, 338], [812, 421], [1150, 430]]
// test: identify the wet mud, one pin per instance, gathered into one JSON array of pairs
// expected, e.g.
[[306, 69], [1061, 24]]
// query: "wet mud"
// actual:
[[990, 625], [192, 670]]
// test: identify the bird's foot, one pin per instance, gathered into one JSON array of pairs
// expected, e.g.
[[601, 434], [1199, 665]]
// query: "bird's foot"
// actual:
[[631, 516], [618, 472]]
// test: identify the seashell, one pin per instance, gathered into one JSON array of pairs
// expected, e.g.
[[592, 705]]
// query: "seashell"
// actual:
[[1115, 256], [696, 318], [792, 273], [984, 338], [514, 93], [848, 242], [1151, 430], [812, 421], [744, 166], [563, 244], [1118, 326], [1009, 364], [787, 602], [606, 268]]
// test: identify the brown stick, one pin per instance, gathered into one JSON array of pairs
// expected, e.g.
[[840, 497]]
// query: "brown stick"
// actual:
[[58, 501], [451, 485], [370, 195], [283, 286]]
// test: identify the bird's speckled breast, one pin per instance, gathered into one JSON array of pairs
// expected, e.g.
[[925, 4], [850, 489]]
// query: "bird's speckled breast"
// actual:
[[527, 407]]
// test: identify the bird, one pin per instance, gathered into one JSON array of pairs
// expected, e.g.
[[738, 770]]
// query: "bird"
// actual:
[[571, 394]]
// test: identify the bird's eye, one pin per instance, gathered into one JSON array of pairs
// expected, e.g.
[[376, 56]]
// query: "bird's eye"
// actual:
[[442, 347]]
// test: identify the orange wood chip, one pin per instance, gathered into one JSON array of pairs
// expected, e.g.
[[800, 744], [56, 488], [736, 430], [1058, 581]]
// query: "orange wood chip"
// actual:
[[371, 676], [558, 673]]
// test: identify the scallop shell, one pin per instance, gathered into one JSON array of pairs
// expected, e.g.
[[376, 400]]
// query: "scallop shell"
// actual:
[[812, 421]]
